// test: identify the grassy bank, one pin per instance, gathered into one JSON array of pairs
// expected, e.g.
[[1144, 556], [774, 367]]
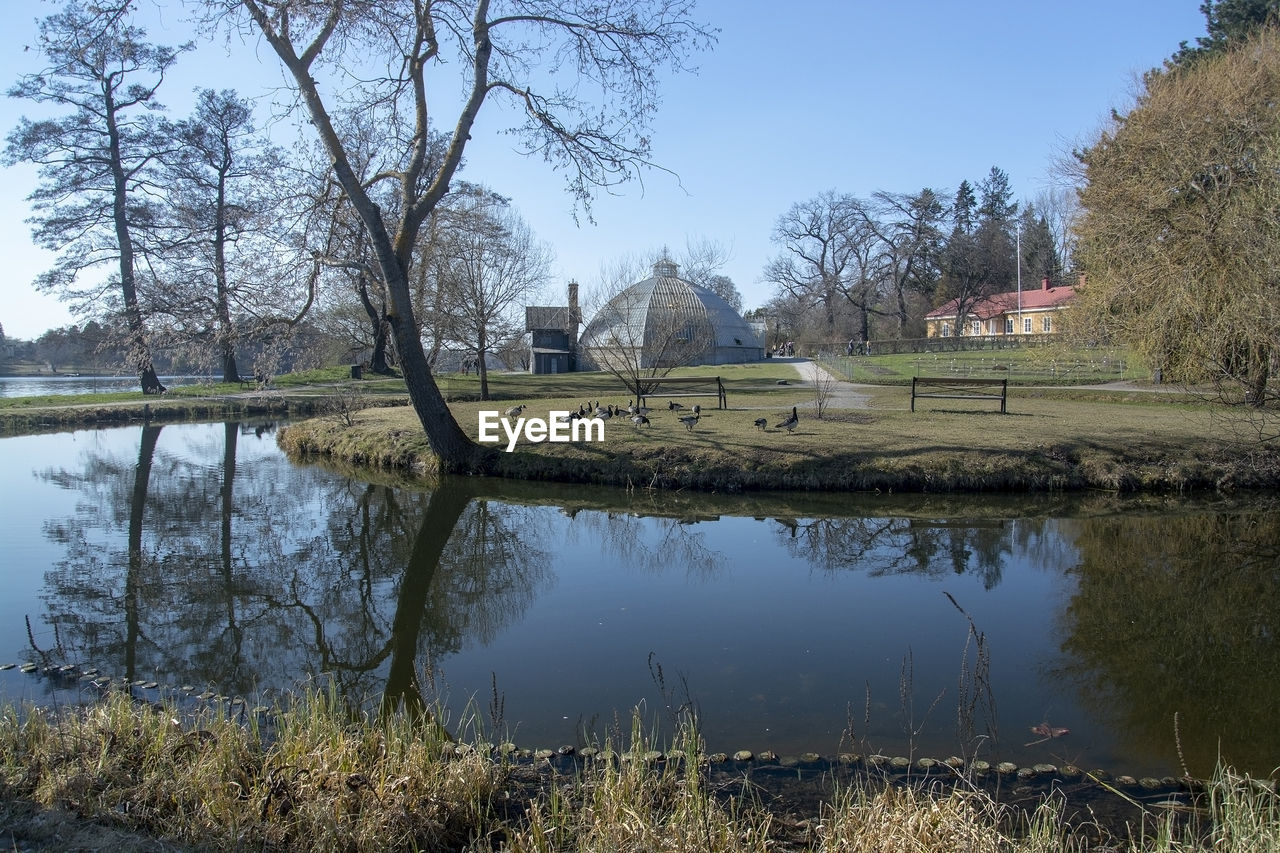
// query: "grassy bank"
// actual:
[[130, 776], [1051, 439], [1122, 438], [316, 392]]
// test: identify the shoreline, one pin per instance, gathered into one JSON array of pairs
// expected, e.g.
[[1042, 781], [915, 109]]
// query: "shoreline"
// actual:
[[390, 440], [1054, 440]]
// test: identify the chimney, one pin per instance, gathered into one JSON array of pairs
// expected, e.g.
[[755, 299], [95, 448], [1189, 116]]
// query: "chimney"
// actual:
[[1044, 283], [575, 316]]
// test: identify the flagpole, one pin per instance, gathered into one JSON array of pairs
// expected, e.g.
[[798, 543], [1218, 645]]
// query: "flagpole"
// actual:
[[1018, 261]]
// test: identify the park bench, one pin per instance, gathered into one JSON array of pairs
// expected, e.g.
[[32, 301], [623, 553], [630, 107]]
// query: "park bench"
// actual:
[[687, 386], [956, 388]]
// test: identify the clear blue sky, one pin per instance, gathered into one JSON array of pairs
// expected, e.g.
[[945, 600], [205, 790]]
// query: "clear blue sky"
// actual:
[[794, 99]]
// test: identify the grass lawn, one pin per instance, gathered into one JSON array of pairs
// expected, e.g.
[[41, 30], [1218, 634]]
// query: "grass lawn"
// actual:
[[1053, 437], [1044, 365], [1050, 438]]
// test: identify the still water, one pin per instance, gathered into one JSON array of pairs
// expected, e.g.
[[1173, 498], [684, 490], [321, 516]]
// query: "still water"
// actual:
[[38, 386], [199, 555]]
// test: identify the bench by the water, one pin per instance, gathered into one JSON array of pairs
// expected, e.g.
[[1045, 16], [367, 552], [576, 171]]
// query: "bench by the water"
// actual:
[[956, 388], [688, 386]]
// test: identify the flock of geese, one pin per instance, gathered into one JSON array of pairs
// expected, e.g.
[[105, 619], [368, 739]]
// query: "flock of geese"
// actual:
[[639, 415]]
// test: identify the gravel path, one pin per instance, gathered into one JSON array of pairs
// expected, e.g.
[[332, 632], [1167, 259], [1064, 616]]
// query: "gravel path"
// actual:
[[844, 395]]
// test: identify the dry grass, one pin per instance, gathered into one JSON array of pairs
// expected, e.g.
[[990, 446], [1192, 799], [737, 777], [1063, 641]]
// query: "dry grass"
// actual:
[[321, 782], [133, 777]]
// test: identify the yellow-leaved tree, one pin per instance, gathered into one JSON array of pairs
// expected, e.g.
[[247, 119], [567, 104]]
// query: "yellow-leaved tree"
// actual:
[[1180, 232]]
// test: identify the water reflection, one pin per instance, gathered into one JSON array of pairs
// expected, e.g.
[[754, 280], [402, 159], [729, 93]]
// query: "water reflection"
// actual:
[[269, 573], [1181, 616], [200, 555]]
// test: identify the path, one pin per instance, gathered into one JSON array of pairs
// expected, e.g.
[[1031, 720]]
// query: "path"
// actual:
[[844, 395]]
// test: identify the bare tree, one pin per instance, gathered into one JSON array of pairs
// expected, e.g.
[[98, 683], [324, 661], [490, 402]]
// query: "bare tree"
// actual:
[[701, 263], [1060, 209], [824, 389], [909, 231], [496, 52], [488, 266], [827, 252], [97, 162], [229, 266]]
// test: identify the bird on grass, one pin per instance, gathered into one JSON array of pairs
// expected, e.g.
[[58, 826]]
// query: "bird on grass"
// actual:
[[675, 407], [640, 420], [514, 411], [790, 423], [697, 410], [761, 423], [689, 421]]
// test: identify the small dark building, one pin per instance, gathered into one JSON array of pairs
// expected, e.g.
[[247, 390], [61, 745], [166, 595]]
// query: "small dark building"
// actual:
[[553, 333]]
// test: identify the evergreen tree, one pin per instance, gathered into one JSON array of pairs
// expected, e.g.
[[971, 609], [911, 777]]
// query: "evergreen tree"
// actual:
[[1227, 22], [997, 203], [962, 210], [1039, 256]]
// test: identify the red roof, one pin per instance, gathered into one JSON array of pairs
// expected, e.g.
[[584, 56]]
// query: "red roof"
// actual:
[[1008, 303]]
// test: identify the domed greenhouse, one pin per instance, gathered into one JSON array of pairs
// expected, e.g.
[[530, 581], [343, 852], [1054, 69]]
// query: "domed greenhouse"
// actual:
[[666, 321]]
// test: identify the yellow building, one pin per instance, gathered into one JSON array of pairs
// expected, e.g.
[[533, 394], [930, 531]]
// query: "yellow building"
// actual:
[[1027, 312]]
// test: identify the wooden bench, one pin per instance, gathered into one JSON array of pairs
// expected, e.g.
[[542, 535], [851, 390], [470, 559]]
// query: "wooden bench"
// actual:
[[711, 386], [956, 388]]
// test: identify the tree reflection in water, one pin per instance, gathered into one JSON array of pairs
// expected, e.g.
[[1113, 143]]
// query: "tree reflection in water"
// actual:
[[1179, 614], [300, 575]]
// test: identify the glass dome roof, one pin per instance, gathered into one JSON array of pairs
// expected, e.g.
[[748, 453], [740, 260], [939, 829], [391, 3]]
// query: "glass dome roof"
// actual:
[[671, 321]]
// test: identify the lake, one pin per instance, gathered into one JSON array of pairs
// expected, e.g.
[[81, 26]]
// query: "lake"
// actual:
[[38, 386], [199, 555]]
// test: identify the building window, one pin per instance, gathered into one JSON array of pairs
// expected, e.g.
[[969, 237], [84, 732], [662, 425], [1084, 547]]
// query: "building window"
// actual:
[[1008, 325], [1046, 323], [946, 330], [1026, 325], [976, 326]]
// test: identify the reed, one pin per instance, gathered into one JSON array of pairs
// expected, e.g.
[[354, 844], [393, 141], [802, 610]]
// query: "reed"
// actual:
[[320, 778]]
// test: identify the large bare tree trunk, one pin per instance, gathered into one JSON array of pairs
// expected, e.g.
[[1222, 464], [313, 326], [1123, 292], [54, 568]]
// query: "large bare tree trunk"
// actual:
[[138, 348]]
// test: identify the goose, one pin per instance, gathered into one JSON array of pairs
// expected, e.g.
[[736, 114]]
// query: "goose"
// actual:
[[640, 420], [514, 411], [604, 414], [675, 407], [790, 423], [761, 423], [689, 421], [697, 410]]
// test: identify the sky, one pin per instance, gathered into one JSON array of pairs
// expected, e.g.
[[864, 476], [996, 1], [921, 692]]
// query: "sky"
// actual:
[[794, 99]]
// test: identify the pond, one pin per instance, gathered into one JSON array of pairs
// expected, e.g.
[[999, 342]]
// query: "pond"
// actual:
[[199, 555]]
